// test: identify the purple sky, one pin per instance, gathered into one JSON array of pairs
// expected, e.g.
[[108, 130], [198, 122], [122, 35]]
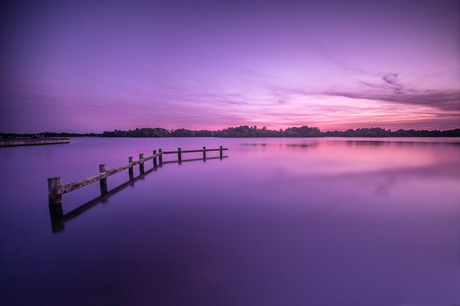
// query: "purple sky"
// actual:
[[90, 66]]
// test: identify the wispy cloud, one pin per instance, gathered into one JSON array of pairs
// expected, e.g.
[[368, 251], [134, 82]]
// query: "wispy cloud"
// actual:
[[388, 88], [444, 100]]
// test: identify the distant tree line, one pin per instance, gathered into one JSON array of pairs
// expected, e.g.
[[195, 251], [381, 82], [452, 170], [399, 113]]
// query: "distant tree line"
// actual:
[[303, 131], [366, 132], [426, 133], [241, 131], [248, 131], [379, 132]]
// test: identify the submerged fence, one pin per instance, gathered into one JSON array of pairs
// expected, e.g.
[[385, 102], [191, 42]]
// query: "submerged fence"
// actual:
[[56, 190]]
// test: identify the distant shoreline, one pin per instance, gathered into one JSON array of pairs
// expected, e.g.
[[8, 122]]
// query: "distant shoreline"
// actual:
[[13, 142]]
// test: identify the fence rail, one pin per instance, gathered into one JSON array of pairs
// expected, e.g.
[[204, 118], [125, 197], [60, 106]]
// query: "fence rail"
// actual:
[[56, 190]]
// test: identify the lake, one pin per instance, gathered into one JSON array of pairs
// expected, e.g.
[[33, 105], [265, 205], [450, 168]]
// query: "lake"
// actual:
[[330, 221]]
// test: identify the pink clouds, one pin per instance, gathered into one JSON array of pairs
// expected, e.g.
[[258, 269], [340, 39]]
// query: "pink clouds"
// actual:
[[102, 66]]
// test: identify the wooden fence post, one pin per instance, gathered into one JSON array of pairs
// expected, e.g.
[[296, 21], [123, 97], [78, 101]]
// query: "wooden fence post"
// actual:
[[131, 170], [160, 158], [53, 185], [141, 165], [204, 153], [179, 154], [103, 182], [220, 152], [154, 159]]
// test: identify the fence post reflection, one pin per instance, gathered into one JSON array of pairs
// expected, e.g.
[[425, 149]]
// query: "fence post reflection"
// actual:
[[57, 220]]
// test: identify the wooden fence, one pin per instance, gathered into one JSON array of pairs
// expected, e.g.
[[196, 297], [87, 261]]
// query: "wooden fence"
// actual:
[[56, 190]]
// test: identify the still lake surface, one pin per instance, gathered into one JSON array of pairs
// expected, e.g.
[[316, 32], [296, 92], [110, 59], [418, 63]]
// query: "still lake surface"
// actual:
[[331, 221]]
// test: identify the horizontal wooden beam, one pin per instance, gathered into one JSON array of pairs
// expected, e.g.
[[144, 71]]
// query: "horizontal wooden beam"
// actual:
[[78, 211], [192, 151], [89, 180]]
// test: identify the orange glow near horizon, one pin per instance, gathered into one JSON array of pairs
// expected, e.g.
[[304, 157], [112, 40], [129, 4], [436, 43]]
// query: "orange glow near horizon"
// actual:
[[290, 64]]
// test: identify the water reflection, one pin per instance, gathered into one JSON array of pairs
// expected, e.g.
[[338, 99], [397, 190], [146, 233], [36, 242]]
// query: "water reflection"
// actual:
[[283, 222], [287, 145], [398, 143]]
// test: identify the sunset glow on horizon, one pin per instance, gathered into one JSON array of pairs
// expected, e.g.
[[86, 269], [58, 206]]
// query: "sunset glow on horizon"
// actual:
[[92, 66]]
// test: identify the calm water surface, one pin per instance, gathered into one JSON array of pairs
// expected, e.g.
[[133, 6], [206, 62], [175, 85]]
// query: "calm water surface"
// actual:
[[279, 222]]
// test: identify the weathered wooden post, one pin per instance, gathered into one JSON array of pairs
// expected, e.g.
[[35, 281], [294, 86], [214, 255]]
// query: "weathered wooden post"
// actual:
[[160, 158], [221, 152], [54, 198], [102, 169], [141, 165], [204, 153], [131, 170], [154, 158], [55, 205], [179, 154]]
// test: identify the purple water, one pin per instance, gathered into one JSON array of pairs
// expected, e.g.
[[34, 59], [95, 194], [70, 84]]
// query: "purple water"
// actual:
[[279, 222]]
